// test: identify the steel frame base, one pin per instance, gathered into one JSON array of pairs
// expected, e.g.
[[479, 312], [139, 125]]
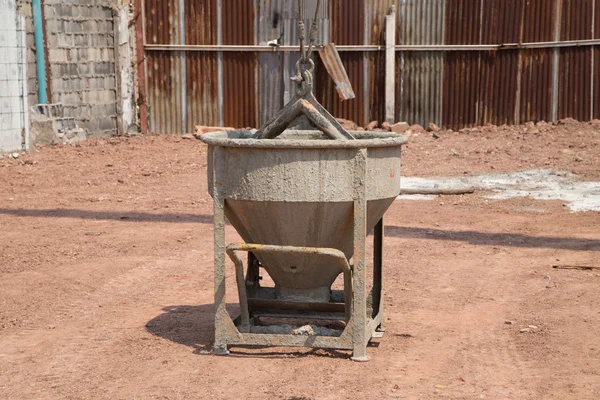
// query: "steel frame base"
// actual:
[[363, 314]]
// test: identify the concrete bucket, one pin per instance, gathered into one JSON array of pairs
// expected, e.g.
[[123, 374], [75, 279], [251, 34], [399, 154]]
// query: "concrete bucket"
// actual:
[[303, 202], [298, 190]]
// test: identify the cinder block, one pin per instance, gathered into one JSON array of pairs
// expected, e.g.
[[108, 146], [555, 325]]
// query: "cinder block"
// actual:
[[69, 98], [108, 123], [108, 54], [73, 27], [90, 125], [80, 39], [90, 96], [106, 95], [58, 70], [84, 68], [63, 10], [68, 84], [90, 26], [97, 41], [25, 9], [103, 110], [30, 41], [92, 54], [103, 12], [105, 25], [83, 11], [79, 112], [57, 55], [104, 68], [109, 82], [65, 40]]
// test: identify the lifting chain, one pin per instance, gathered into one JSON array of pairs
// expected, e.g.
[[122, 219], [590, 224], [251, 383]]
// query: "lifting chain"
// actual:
[[304, 103], [306, 56]]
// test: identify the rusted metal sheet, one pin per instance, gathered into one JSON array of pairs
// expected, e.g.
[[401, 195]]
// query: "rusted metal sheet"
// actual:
[[419, 79], [376, 11], [240, 74], [200, 28], [575, 63], [596, 64], [164, 67], [291, 38], [501, 23], [179, 95], [535, 84], [452, 88], [271, 81], [332, 62], [462, 25], [347, 28]]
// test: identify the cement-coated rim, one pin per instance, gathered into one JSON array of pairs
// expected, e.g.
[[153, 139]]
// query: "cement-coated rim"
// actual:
[[303, 139]]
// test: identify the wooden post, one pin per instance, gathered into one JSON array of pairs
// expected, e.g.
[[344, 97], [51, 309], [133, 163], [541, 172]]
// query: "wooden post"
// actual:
[[390, 65]]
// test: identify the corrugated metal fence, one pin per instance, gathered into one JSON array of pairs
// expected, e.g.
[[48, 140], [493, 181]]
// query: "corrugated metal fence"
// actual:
[[458, 62]]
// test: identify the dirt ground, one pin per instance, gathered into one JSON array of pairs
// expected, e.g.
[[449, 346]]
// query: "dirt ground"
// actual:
[[106, 280]]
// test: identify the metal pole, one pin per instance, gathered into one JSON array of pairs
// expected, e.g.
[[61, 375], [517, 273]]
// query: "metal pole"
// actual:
[[376, 48], [220, 63], [141, 65], [22, 38], [592, 51], [390, 66], [40, 57], [184, 117], [555, 59]]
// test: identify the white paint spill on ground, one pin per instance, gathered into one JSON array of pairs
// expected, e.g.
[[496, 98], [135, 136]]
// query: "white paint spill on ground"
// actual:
[[540, 184]]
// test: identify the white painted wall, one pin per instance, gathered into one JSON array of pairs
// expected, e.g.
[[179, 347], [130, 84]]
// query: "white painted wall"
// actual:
[[13, 92]]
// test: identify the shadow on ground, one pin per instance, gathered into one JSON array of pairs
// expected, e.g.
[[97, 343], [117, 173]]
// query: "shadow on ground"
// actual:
[[494, 239], [108, 215], [193, 326], [471, 237]]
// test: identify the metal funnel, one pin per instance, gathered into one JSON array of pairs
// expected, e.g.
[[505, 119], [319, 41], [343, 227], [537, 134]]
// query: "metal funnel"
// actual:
[[297, 190]]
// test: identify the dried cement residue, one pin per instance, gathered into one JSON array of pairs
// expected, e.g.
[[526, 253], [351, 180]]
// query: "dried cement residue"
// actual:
[[306, 330], [540, 184]]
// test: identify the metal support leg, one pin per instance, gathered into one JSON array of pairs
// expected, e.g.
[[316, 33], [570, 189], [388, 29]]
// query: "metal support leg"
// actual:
[[378, 276], [220, 345], [359, 308], [253, 275], [221, 314]]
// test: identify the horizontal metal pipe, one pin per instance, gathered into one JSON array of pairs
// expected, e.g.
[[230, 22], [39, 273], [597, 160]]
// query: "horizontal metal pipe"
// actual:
[[269, 304], [267, 248], [442, 47], [237, 48]]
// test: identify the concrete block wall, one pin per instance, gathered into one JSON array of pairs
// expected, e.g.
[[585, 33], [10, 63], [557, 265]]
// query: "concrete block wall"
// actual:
[[81, 53], [24, 7], [12, 79]]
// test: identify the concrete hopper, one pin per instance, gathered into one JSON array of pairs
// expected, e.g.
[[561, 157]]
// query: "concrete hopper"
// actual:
[[304, 191]]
